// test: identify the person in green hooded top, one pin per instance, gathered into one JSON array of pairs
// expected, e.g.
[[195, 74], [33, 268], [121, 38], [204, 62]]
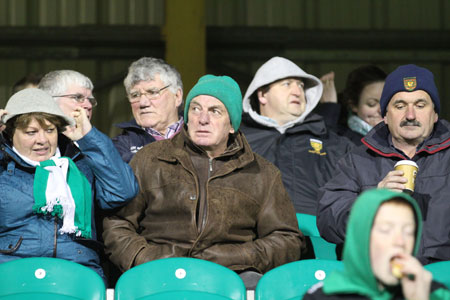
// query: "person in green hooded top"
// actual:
[[383, 234]]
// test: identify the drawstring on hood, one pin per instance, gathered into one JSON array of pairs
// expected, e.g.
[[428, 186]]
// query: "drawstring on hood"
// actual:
[[275, 69]]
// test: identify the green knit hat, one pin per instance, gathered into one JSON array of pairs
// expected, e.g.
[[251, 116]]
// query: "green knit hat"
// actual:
[[223, 88]]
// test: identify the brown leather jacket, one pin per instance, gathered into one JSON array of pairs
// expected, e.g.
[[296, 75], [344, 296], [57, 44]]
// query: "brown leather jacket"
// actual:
[[248, 221]]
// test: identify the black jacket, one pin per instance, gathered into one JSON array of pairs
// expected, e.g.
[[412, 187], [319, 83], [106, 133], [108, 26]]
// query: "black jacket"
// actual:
[[365, 166], [131, 140], [303, 168], [331, 115]]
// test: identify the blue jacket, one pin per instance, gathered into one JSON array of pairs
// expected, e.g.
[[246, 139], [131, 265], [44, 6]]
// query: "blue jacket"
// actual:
[[131, 140], [365, 166], [25, 234]]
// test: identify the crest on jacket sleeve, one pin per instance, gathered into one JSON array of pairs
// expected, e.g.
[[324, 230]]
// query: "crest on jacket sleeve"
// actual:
[[410, 83], [316, 147]]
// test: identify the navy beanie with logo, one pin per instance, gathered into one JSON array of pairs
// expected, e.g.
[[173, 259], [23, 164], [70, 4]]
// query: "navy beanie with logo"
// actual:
[[409, 78]]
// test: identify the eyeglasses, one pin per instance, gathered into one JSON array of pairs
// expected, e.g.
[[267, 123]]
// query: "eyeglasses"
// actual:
[[79, 98], [135, 97]]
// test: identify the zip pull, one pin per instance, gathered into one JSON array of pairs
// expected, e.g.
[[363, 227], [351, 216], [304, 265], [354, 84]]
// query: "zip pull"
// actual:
[[210, 165]]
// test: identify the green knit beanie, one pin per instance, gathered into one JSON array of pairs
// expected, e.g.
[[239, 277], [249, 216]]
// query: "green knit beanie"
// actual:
[[223, 88]]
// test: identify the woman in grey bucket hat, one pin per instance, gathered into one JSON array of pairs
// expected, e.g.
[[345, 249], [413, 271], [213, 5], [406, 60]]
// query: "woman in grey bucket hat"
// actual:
[[29, 113], [33, 100], [49, 185]]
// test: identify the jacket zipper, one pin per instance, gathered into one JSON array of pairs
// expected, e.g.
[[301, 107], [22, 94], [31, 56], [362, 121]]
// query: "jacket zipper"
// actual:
[[205, 206]]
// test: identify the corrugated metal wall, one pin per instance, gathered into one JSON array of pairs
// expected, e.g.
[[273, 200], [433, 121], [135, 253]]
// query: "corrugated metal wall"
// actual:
[[81, 12], [344, 15], [113, 106], [331, 14]]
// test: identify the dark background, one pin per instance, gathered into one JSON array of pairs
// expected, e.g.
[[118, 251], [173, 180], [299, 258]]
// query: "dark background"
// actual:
[[100, 38]]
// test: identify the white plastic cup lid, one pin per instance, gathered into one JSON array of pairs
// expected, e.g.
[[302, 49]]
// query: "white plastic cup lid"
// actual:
[[407, 162]]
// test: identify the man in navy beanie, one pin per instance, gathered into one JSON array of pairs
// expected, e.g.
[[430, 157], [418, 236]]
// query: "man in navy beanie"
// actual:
[[205, 194], [412, 131]]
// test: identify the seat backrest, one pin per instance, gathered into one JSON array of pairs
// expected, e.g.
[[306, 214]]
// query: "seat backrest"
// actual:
[[307, 224], [322, 248], [440, 271], [180, 278], [49, 278], [292, 280]]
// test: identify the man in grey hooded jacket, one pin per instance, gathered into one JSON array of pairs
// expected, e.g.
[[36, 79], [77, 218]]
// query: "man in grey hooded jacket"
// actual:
[[279, 125]]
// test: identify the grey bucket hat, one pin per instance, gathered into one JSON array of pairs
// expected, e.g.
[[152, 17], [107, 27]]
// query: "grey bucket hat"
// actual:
[[33, 100]]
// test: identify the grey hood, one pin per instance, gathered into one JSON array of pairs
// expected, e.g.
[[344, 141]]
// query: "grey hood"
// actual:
[[275, 69]]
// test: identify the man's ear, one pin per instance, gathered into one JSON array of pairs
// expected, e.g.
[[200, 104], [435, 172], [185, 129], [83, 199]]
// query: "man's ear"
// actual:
[[179, 97], [261, 96]]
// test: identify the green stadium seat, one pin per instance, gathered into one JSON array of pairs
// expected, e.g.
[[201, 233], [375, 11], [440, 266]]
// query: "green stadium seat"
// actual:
[[440, 271], [292, 280], [49, 278], [322, 248], [180, 278]]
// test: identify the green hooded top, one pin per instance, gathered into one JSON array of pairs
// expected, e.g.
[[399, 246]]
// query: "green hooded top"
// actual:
[[357, 276]]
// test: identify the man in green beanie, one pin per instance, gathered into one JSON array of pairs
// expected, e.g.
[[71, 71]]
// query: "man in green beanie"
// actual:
[[205, 194], [383, 235]]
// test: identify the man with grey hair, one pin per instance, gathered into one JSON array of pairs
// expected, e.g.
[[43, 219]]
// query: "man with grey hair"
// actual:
[[155, 91], [70, 89]]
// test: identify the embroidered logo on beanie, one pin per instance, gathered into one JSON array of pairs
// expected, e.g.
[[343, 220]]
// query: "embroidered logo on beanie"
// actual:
[[410, 83], [409, 78]]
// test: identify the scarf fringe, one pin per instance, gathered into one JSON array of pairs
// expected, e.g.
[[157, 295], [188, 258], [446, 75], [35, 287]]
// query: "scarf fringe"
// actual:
[[72, 205]]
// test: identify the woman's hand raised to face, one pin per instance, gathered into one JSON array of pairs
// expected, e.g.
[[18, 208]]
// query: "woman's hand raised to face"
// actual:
[[82, 125]]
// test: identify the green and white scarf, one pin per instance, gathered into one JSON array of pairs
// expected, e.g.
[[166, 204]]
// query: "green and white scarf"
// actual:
[[61, 189]]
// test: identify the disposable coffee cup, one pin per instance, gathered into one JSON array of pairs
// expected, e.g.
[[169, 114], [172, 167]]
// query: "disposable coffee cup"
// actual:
[[410, 170]]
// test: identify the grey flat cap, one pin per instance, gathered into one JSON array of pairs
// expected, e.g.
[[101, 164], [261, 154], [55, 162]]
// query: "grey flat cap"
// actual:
[[33, 100]]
